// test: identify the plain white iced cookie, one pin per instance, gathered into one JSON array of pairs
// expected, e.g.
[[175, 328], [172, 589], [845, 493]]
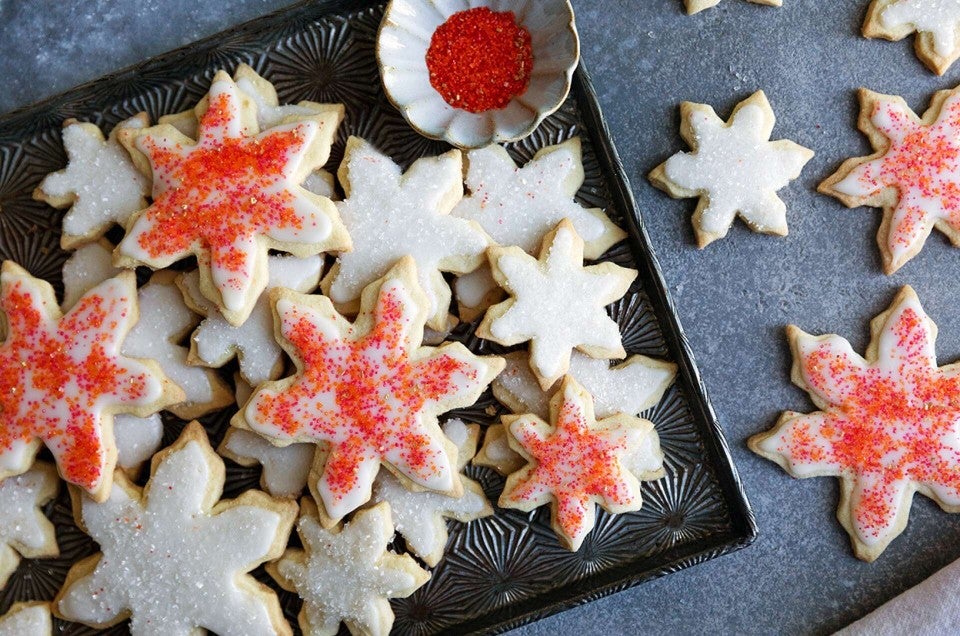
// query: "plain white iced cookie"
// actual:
[[555, 303], [936, 23], [176, 559], [346, 574], [101, 185], [137, 438], [27, 619], [733, 168], [24, 530], [391, 214]]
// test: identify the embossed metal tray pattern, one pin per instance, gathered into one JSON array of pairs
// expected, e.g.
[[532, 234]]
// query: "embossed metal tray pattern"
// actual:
[[498, 572]]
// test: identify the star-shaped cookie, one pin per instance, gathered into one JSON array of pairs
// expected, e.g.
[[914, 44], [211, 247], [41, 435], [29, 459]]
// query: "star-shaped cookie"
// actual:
[[63, 377], [346, 574], [101, 185], [391, 214], [936, 23], [555, 303], [575, 461], [914, 175], [888, 424], [233, 195], [733, 168], [24, 530], [420, 517], [367, 392], [175, 558], [27, 619], [696, 6]]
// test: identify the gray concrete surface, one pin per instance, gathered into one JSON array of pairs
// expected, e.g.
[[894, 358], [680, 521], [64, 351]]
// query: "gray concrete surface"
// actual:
[[734, 297]]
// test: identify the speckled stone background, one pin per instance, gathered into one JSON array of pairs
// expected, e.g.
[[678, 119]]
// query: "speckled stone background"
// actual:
[[734, 297]]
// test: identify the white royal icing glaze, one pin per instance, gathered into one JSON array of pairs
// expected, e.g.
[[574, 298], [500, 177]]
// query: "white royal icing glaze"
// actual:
[[939, 18], [216, 341], [29, 619], [106, 185], [285, 469], [739, 169], [518, 206], [24, 530], [170, 561], [390, 215], [558, 304], [137, 438], [419, 517], [348, 575], [86, 268]]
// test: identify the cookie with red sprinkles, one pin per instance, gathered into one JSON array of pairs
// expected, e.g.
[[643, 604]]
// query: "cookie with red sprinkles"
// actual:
[[914, 175], [575, 461], [887, 423], [367, 393]]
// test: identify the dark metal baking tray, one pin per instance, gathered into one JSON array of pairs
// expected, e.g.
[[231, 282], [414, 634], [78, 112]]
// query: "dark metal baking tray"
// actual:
[[499, 572]]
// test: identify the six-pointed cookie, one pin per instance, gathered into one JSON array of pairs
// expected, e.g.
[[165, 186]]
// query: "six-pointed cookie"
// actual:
[[24, 530], [733, 168], [936, 23]]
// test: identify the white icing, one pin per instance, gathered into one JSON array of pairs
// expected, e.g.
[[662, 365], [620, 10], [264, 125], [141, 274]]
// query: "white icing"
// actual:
[[27, 620], [629, 387], [100, 175], [320, 182], [164, 318], [518, 206], [473, 287], [558, 304], [739, 169], [496, 447], [170, 561], [137, 439], [23, 527], [269, 114], [390, 215], [235, 286], [216, 341], [940, 18], [419, 516], [347, 576], [285, 469], [86, 268]]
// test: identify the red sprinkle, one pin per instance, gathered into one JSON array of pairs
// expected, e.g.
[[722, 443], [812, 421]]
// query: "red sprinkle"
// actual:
[[480, 59]]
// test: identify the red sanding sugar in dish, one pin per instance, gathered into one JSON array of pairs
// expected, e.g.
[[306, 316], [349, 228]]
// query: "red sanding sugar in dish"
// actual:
[[480, 59]]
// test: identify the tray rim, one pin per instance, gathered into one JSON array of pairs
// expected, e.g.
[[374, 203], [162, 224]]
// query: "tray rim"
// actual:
[[744, 528]]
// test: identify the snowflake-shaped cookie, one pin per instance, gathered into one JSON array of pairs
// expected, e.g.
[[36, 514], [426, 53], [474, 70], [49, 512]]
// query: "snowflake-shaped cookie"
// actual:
[[914, 175], [285, 468], [936, 23], [576, 461], [696, 6], [101, 185], [392, 214], [63, 377], [27, 619], [215, 341], [346, 574], [888, 424], [518, 206], [420, 517], [556, 303], [24, 530], [734, 169], [174, 559], [233, 195], [367, 392]]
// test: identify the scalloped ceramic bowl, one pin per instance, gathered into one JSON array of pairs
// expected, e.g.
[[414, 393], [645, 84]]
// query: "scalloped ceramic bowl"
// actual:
[[402, 46]]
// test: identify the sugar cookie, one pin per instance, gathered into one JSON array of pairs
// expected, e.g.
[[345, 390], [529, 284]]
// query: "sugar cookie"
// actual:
[[733, 168], [420, 517], [391, 214], [887, 424], [556, 303], [367, 391], [101, 185], [27, 619], [138, 439], [496, 453], [174, 558], [346, 574], [696, 6], [77, 377], [233, 195], [936, 23], [24, 530], [215, 341], [913, 176], [576, 461]]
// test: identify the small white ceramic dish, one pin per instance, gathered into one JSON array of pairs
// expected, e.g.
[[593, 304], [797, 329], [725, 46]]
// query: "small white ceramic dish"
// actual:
[[405, 33]]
